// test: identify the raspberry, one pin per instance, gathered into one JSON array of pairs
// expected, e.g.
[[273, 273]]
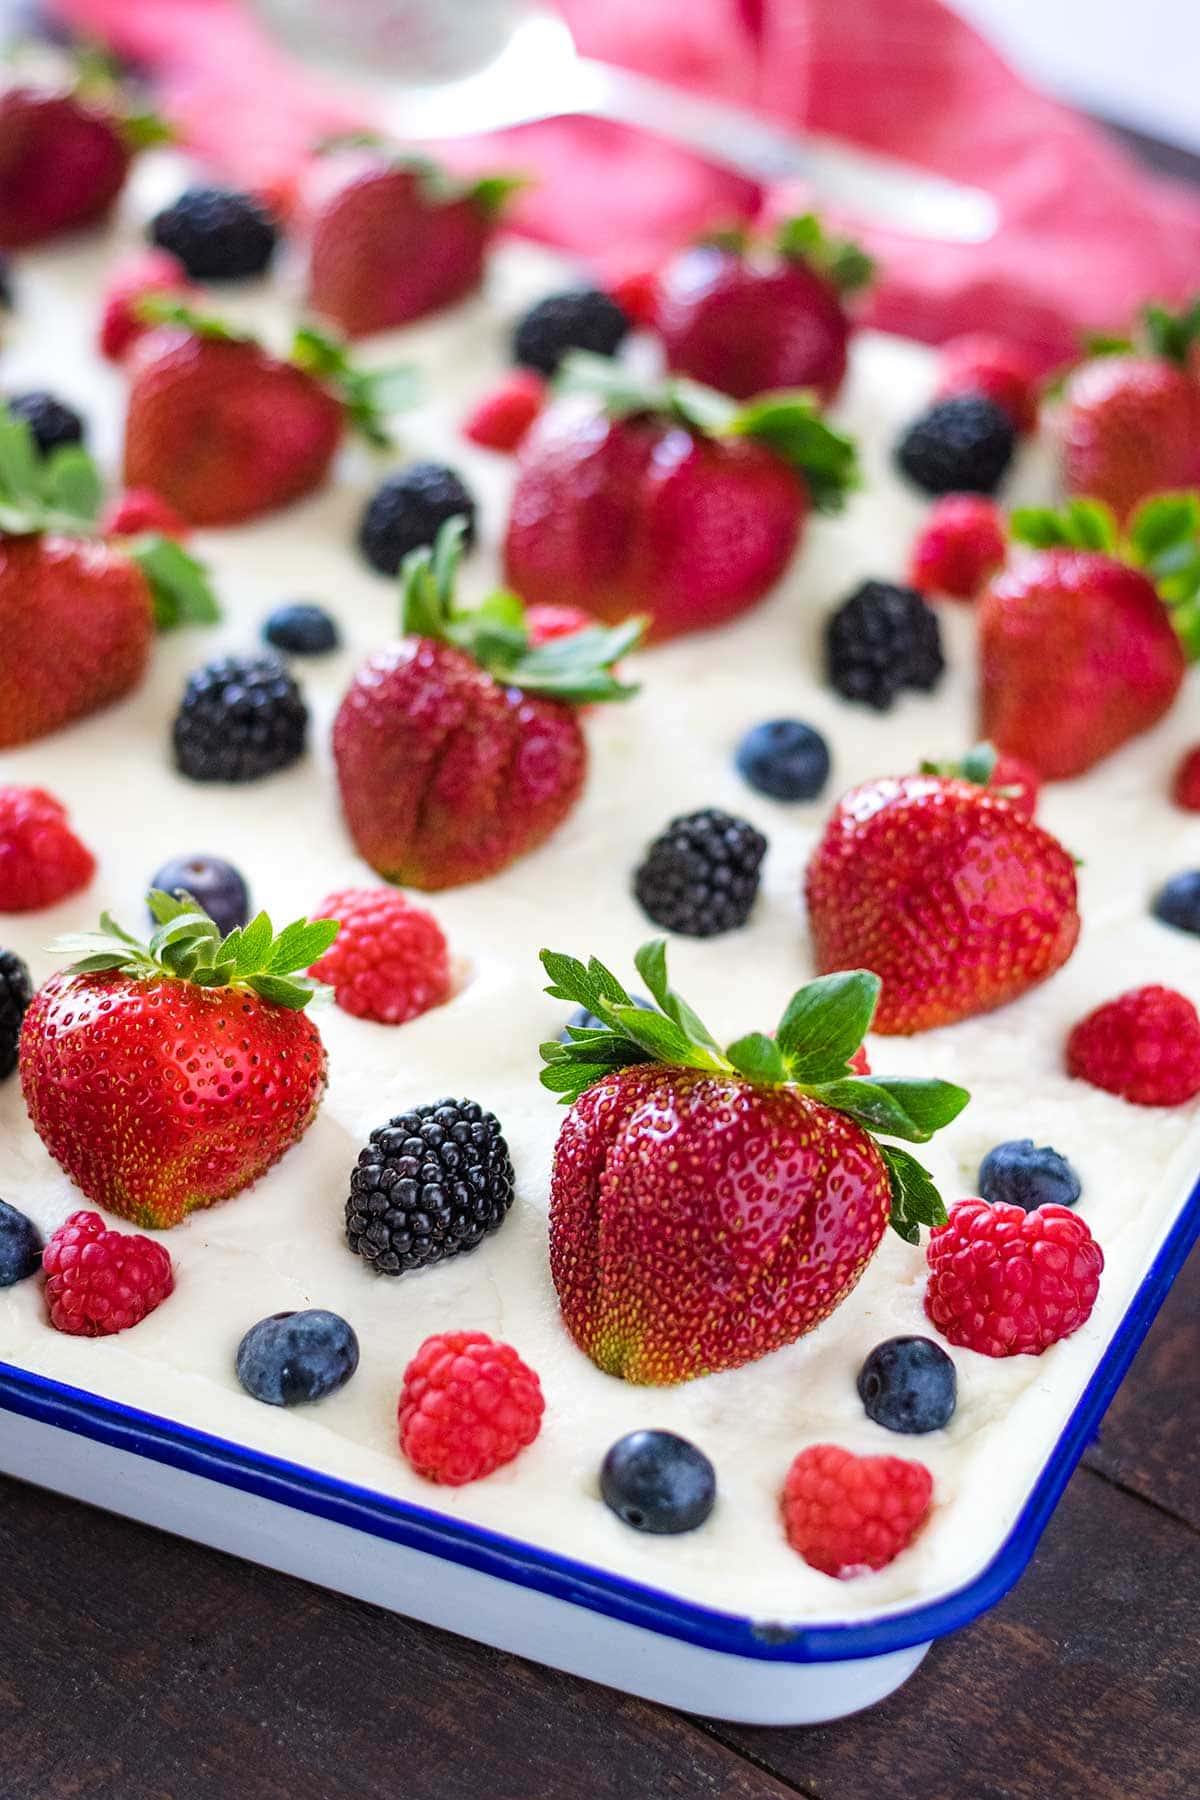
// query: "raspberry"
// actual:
[[141, 509], [961, 544], [1010, 1283], [981, 364], [150, 272], [636, 293], [101, 1281], [547, 621], [848, 1514], [1185, 788], [859, 1062], [1144, 1045], [41, 859], [504, 415], [467, 1406], [389, 961]]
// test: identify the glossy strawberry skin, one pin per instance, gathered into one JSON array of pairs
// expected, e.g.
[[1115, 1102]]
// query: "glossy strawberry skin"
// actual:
[[384, 253], [76, 622], [1077, 655], [222, 430], [698, 1221], [159, 1097], [634, 516], [958, 901], [747, 329], [1129, 427], [62, 164], [445, 776]]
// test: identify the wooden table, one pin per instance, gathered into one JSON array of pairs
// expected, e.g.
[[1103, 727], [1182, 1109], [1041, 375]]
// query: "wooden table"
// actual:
[[134, 1666]]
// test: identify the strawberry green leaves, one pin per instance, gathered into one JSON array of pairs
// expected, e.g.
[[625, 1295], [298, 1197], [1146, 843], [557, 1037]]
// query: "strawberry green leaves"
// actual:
[[368, 395], [60, 492], [822, 1026], [188, 946], [1080, 525], [841, 261], [179, 584], [789, 424], [575, 668]]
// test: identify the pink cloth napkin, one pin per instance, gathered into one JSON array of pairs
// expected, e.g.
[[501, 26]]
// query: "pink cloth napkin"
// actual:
[[1085, 235]]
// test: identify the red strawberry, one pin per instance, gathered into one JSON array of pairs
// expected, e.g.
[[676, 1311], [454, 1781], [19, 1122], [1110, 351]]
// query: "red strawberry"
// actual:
[[64, 156], [750, 321], [1078, 651], [397, 238], [705, 1209], [954, 898], [1144, 1045], [167, 1076], [457, 747], [225, 431], [1129, 425], [1016, 781], [982, 364], [41, 859], [500, 420], [77, 616], [1185, 785], [668, 500], [149, 272], [100, 1281], [847, 1514], [960, 545]]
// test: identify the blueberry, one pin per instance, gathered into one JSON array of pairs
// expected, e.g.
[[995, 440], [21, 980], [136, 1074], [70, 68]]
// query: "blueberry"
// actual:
[[658, 1482], [908, 1384], [1020, 1174], [784, 759], [583, 1020], [54, 425], [20, 1246], [294, 1357], [217, 885], [1178, 902], [303, 629]]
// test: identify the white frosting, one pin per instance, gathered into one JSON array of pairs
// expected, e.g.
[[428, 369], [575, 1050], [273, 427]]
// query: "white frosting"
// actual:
[[280, 1244]]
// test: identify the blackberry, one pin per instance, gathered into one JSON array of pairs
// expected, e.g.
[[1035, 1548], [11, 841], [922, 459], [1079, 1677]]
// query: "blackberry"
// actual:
[[216, 884], [20, 1246], [303, 629], [883, 638], [1177, 902], [700, 876], [658, 1482], [784, 759], [240, 717], [406, 511], [218, 234], [577, 319], [430, 1184], [53, 424], [1022, 1173], [296, 1357], [959, 446], [16, 991], [908, 1384]]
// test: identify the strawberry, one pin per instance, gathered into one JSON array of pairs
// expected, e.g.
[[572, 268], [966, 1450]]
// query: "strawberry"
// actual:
[[1185, 782], [1017, 781], [149, 272], [1079, 649], [749, 319], [166, 1076], [706, 1205], [225, 431], [397, 237], [982, 364], [77, 615], [955, 899], [457, 747], [64, 155], [1129, 425], [665, 499]]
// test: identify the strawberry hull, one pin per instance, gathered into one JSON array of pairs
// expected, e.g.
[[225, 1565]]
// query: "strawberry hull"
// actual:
[[161, 1097], [698, 1221]]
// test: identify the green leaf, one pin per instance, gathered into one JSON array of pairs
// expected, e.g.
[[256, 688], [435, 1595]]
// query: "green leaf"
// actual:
[[757, 1057], [869, 1104], [19, 467], [178, 583], [1172, 335], [825, 1022], [71, 485], [840, 260], [295, 995], [915, 1199], [98, 960], [144, 130], [1080, 525], [492, 193], [366, 394], [163, 309], [660, 1036], [252, 945], [300, 945], [791, 425]]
